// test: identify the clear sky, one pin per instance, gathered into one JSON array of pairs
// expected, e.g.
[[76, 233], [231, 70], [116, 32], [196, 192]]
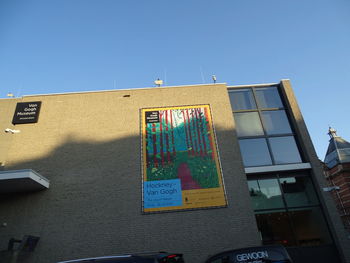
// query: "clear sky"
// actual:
[[54, 46]]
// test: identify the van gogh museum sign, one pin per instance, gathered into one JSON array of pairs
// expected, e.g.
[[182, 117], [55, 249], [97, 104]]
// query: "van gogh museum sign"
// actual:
[[26, 112], [181, 169]]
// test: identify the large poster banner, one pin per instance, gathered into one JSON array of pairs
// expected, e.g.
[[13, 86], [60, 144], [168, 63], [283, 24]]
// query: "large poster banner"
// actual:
[[181, 169]]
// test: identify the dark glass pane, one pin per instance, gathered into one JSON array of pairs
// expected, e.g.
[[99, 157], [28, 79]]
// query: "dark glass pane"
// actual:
[[255, 152], [242, 99], [284, 150], [298, 191], [268, 98], [248, 124], [275, 228], [265, 194], [310, 227], [276, 122]]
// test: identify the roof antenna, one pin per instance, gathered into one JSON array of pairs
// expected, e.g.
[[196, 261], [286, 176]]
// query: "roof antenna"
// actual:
[[201, 70], [213, 78], [165, 83]]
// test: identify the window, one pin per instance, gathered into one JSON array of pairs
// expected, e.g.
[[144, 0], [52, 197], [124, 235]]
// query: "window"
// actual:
[[287, 210], [265, 194], [264, 132], [284, 150], [248, 124], [242, 99], [276, 122], [255, 152], [298, 191], [309, 226], [275, 228], [268, 98]]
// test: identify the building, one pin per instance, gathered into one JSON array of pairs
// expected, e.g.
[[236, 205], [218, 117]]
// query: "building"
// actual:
[[337, 171], [193, 169]]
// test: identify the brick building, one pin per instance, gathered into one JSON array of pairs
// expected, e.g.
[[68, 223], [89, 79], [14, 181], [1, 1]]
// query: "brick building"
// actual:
[[194, 169], [337, 171]]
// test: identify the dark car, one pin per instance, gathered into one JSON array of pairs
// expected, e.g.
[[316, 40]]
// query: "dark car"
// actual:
[[158, 257], [263, 254]]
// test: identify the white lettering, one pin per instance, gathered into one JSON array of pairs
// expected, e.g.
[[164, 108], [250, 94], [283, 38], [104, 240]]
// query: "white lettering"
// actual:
[[252, 255], [169, 191], [159, 185], [25, 113], [29, 109]]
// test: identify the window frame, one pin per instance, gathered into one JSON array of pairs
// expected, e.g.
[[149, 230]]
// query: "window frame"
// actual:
[[289, 209], [265, 134], [279, 177]]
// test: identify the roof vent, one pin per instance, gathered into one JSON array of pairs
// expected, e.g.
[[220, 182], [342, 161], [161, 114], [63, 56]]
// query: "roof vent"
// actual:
[[158, 82]]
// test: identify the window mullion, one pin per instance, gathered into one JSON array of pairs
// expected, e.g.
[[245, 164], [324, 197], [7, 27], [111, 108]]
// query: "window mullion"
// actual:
[[287, 211], [264, 129]]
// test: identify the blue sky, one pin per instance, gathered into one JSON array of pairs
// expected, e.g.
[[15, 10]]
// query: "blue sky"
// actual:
[[53, 46]]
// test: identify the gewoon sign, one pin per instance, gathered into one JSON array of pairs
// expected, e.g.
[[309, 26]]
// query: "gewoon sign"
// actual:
[[244, 257]]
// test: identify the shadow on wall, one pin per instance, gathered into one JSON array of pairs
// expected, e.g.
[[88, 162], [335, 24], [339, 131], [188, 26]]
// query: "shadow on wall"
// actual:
[[89, 185], [93, 206]]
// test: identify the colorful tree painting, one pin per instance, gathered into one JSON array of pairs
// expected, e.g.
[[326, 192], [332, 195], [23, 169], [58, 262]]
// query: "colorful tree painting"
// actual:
[[179, 144]]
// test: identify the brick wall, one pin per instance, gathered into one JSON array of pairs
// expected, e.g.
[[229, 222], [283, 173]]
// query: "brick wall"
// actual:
[[88, 146]]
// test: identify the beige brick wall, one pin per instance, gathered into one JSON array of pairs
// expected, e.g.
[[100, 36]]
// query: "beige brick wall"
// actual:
[[88, 146]]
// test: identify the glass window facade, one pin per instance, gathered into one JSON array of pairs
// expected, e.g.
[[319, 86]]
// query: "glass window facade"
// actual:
[[286, 206], [263, 129], [287, 210]]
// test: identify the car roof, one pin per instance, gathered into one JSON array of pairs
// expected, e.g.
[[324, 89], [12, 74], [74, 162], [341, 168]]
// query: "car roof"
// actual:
[[158, 254], [95, 258]]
